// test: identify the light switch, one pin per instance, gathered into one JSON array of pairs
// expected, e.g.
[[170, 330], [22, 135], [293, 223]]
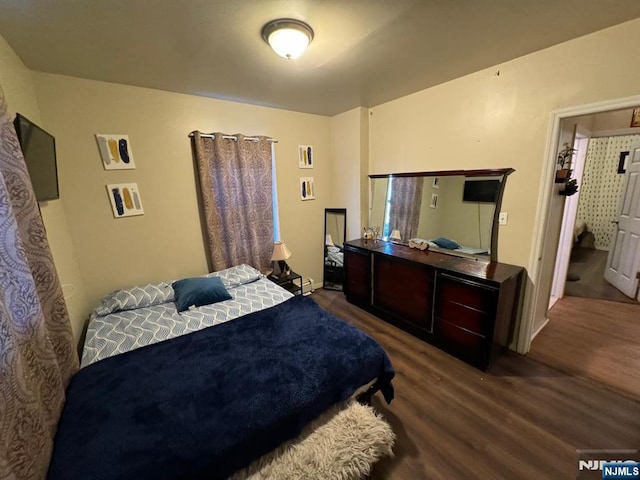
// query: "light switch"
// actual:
[[502, 218]]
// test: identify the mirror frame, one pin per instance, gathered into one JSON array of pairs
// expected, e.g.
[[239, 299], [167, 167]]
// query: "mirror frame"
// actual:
[[497, 172], [325, 284]]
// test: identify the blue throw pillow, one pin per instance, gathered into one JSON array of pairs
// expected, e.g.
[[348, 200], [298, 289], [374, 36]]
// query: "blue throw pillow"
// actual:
[[199, 291], [446, 243]]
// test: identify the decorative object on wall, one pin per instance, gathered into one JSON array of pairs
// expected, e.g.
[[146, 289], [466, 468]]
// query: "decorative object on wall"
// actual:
[[115, 152], [565, 156], [307, 188], [570, 187], [305, 156], [622, 162], [434, 200], [125, 199], [436, 182], [635, 117]]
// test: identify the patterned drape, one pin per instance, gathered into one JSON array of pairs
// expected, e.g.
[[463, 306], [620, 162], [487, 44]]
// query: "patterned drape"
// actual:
[[404, 206], [37, 356], [235, 187]]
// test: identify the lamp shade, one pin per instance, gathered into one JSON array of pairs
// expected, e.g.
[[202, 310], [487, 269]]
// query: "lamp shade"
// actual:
[[396, 234], [328, 240], [280, 251], [288, 37]]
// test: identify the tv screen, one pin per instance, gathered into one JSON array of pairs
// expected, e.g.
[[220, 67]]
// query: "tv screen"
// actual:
[[483, 191], [39, 150]]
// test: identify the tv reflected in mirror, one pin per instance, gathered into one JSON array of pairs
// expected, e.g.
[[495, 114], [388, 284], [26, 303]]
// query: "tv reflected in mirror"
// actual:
[[39, 150]]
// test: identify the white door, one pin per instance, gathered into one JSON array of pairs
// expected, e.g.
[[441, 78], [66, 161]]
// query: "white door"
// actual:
[[623, 263]]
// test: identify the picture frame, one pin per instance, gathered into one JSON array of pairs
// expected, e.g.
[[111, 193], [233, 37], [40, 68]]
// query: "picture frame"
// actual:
[[307, 189], [434, 200], [635, 117], [115, 152], [436, 182], [306, 158], [125, 199], [622, 161]]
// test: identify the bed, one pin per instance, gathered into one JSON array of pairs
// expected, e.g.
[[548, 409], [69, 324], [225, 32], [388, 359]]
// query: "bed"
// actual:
[[205, 392]]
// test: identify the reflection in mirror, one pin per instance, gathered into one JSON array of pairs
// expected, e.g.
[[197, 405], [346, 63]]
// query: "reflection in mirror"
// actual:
[[335, 231], [454, 213]]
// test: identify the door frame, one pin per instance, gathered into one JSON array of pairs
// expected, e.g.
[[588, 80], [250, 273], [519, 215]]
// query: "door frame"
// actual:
[[566, 239], [532, 298]]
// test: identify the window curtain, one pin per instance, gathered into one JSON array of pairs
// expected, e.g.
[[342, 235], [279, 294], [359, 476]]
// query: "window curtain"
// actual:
[[404, 206], [37, 355], [235, 179]]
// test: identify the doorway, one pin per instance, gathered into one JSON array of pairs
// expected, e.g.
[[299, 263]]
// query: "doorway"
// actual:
[[593, 331], [548, 222], [590, 217]]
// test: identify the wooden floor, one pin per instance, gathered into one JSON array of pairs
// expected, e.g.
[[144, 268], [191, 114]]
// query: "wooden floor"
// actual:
[[587, 267], [522, 420], [598, 340]]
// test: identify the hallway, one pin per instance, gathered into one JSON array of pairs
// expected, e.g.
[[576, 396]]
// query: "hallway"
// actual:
[[587, 267]]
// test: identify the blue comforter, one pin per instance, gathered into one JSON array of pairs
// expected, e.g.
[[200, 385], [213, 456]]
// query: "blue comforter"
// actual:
[[206, 404]]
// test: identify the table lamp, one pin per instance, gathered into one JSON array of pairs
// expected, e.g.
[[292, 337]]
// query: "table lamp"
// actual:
[[280, 254]]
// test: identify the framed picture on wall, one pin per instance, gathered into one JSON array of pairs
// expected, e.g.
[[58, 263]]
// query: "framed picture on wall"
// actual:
[[622, 162], [307, 188], [125, 199], [115, 152], [436, 182], [635, 117], [434, 200], [305, 156]]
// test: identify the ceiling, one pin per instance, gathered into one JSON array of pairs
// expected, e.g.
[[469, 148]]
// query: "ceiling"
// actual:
[[365, 52]]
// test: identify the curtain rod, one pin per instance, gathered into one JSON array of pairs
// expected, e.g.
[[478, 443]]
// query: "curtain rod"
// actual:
[[232, 137]]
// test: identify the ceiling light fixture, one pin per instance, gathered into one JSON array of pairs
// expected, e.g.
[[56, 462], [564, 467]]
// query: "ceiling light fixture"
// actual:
[[288, 37]]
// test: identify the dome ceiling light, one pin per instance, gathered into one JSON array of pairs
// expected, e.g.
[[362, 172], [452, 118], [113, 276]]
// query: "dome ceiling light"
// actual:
[[288, 37]]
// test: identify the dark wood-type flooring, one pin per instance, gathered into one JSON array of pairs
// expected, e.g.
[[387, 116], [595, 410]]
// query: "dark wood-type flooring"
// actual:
[[594, 339], [588, 264], [522, 420]]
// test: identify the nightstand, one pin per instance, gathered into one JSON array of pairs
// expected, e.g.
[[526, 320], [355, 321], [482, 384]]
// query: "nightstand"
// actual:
[[291, 282]]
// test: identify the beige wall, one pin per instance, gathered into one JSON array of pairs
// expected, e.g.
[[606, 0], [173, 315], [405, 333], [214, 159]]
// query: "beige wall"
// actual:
[[500, 117], [349, 166], [166, 242], [18, 87]]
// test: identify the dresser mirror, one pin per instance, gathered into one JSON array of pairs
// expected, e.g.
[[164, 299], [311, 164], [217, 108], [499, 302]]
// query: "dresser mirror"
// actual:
[[453, 211], [335, 231]]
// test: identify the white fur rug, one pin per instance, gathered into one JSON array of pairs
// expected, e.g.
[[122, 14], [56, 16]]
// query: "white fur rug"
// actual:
[[342, 444]]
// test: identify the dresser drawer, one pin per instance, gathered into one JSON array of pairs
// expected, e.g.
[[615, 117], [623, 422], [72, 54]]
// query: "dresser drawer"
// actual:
[[404, 289], [465, 317], [465, 303], [357, 286], [462, 343]]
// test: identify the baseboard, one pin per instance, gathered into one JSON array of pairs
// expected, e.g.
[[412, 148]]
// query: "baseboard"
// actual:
[[539, 329]]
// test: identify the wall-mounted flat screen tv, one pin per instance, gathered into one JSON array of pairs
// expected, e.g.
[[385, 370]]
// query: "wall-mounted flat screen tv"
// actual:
[[483, 191], [39, 150]]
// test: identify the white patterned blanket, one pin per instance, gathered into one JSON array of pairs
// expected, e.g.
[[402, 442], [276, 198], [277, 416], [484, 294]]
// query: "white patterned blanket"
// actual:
[[132, 318]]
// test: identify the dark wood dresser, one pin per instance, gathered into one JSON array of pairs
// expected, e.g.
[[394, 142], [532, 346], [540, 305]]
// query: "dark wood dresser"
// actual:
[[465, 306]]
